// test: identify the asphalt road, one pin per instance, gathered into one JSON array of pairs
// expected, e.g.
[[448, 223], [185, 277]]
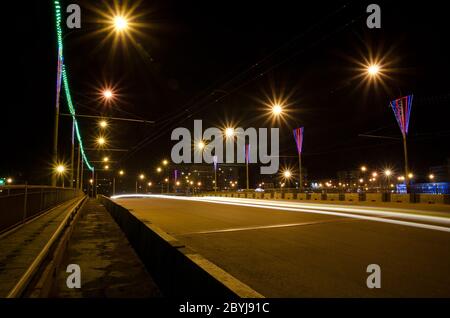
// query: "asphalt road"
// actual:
[[301, 250]]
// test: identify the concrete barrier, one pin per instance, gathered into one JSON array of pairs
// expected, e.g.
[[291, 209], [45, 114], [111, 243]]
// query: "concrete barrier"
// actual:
[[288, 196], [249, 195], [316, 196], [333, 197], [431, 198], [374, 197], [278, 195], [302, 196], [178, 271], [400, 197], [258, 195], [351, 197], [242, 195], [235, 195], [267, 196]]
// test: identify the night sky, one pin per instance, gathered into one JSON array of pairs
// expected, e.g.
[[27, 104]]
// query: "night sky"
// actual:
[[219, 61]]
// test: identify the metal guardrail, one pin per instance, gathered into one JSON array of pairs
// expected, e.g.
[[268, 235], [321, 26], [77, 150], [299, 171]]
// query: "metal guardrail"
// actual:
[[23, 202]]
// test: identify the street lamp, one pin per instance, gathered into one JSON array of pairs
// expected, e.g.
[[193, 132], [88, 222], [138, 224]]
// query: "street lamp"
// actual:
[[373, 69], [200, 145], [121, 172], [9, 180], [142, 176], [103, 123], [107, 94], [229, 132], [101, 141], [431, 176], [106, 167], [363, 168], [277, 109], [105, 159], [60, 170], [120, 23]]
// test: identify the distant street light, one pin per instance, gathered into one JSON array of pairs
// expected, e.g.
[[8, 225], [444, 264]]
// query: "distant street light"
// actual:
[[363, 168], [121, 172], [60, 170], [410, 175], [107, 94], [142, 176], [165, 162], [229, 132], [277, 109], [9, 180], [373, 70], [287, 174], [374, 174], [159, 169], [431, 176], [105, 159], [387, 172], [103, 123], [106, 167], [149, 184], [200, 145], [101, 141], [120, 23]]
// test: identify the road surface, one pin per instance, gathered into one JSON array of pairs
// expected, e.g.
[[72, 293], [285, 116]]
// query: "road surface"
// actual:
[[298, 249]]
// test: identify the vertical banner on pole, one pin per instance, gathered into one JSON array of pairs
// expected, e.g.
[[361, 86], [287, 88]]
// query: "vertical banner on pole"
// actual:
[[402, 111], [298, 136], [247, 160], [215, 160]]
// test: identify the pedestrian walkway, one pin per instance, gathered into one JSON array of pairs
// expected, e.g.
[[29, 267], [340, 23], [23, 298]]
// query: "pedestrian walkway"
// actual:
[[20, 246], [109, 266]]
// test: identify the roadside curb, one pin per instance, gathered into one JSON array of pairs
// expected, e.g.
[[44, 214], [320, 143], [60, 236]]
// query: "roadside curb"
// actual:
[[178, 271]]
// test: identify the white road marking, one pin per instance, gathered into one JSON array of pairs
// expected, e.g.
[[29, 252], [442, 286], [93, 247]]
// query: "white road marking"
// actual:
[[342, 211]]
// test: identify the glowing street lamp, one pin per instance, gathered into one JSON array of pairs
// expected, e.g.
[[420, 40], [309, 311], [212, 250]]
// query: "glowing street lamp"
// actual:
[[373, 70], [105, 159], [387, 172], [121, 172], [108, 94], [201, 145], [103, 124], [431, 176], [165, 162], [374, 174], [159, 169], [106, 167], [287, 174], [277, 109], [410, 175], [142, 176], [229, 132], [363, 168], [101, 141], [149, 184], [120, 23], [60, 170]]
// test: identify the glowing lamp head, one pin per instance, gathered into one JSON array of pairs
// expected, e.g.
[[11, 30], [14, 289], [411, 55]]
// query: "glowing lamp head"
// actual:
[[277, 109], [107, 93], [101, 141], [387, 173], [200, 145], [9, 180], [363, 168], [120, 23], [103, 124], [60, 169], [373, 69], [287, 174], [141, 177], [431, 176], [158, 169], [229, 132], [165, 162]]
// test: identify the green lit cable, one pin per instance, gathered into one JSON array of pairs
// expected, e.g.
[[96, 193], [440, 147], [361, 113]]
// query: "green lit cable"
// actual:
[[65, 81]]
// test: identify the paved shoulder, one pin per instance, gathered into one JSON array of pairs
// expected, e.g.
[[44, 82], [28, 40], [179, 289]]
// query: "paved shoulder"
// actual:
[[109, 266]]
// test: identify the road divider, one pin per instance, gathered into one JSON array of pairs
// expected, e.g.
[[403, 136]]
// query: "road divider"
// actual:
[[178, 271]]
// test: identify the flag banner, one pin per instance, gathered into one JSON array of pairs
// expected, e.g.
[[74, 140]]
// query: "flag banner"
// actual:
[[402, 111], [298, 136], [215, 162], [247, 153]]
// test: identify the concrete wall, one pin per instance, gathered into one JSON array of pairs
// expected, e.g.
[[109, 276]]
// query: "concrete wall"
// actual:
[[278, 195], [250, 195], [374, 197], [316, 196], [258, 195], [288, 196], [302, 196], [351, 197], [400, 198], [267, 196], [178, 271], [333, 196], [432, 198]]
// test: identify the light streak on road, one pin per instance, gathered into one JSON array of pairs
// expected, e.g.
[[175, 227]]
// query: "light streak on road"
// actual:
[[362, 213]]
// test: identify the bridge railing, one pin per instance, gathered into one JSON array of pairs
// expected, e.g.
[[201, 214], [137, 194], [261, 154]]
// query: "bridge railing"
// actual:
[[20, 203]]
